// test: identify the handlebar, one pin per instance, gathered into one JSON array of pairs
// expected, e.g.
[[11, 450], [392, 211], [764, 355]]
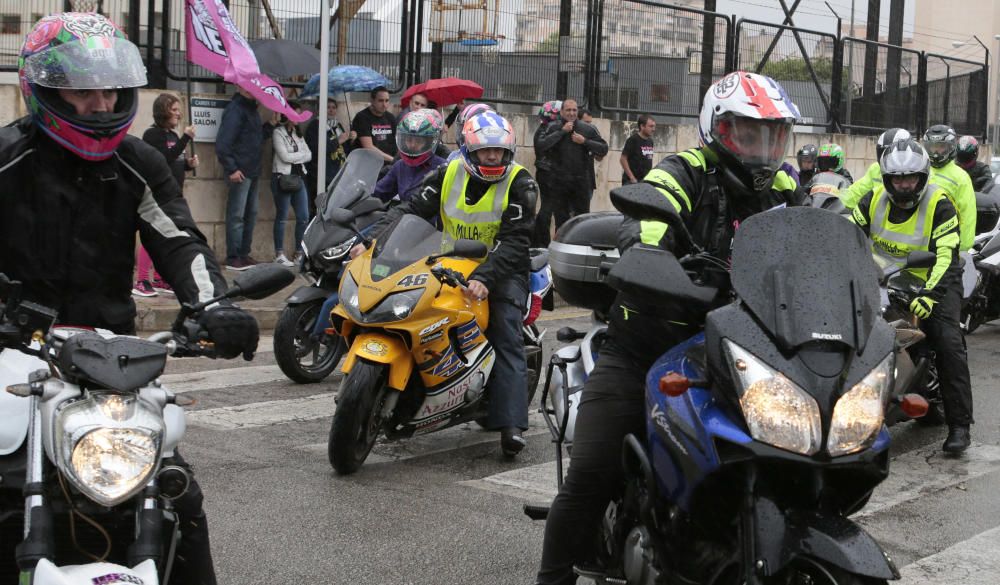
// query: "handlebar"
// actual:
[[450, 277]]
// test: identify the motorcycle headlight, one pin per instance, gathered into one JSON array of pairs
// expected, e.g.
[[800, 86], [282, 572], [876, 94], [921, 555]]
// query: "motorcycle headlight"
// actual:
[[339, 251], [778, 412], [858, 414], [349, 297], [108, 445], [395, 307]]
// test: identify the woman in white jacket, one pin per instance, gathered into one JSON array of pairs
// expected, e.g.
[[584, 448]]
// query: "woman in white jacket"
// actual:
[[288, 176]]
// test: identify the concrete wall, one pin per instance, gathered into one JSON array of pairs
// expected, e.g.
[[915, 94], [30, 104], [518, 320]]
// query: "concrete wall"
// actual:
[[206, 193]]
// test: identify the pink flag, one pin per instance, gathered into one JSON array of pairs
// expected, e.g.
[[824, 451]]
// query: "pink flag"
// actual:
[[216, 44]]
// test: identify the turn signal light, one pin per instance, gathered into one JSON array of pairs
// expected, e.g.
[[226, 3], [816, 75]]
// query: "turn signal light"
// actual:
[[673, 384], [913, 405]]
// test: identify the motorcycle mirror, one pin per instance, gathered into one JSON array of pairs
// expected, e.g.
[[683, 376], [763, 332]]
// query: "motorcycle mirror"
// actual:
[[643, 201], [920, 259], [261, 281]]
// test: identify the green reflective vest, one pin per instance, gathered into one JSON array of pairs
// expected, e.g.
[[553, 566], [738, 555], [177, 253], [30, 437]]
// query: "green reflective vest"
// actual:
[[480, 221], [957, 185], [854, 193], [893, 241]]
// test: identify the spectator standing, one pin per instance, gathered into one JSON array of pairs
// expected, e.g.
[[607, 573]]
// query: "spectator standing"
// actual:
[[376, 126], [288, 185], [572, 145], [637, 155], [338, 141], [547, 114], [237, 146], [162, 136]]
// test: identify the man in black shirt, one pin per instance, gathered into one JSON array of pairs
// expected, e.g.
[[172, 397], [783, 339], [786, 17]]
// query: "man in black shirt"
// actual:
[[637, 156], [376, 126]]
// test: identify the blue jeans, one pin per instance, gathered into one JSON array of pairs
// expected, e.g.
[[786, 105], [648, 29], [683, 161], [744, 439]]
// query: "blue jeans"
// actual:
[[299, 201], [241, 216], [508, 384]]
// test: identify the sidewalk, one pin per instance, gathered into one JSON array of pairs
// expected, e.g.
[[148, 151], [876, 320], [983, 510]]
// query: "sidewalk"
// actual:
[[158, 313]]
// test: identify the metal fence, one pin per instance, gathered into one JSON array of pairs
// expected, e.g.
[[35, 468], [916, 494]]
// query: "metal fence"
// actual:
[[618, 57], [655, 58], [882, 87], [801, 60], [956, 94]]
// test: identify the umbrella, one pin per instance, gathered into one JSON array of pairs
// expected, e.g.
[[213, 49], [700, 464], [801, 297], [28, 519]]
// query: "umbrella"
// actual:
[[284, 58], [345, 78], [445, 91]]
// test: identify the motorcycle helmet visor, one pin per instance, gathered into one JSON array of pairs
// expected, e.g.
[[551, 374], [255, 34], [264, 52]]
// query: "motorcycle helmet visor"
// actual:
[[938, 149], [827, 163], [414, 145], [906, 189], [95, 62], [753, 141]]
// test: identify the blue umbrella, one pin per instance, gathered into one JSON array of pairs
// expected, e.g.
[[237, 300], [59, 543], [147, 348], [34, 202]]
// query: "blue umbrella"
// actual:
[[345, 78]]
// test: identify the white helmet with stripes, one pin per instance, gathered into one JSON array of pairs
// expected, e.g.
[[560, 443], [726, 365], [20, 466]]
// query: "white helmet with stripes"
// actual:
[[747, 120]]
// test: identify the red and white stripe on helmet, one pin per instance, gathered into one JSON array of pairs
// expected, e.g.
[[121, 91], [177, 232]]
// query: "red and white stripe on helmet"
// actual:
[[748, 95]]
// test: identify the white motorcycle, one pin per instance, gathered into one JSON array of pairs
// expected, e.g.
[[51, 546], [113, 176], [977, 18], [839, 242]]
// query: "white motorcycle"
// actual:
[[85, 426]]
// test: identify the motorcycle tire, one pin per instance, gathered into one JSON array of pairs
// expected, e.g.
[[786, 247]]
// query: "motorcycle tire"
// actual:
[[300, 358], [357, 423], [971, 321], [932, 392], [814, 572]]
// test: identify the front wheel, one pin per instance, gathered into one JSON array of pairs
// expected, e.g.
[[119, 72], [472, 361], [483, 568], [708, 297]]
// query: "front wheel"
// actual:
[[302, 357], [358, 420], [808, 571]]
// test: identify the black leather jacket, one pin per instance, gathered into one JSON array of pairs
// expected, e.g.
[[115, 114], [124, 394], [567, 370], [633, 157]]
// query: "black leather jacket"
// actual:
[[69, 228]]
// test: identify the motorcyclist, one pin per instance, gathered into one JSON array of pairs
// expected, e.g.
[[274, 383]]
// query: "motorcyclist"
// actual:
[[830, 158], [467, 112], [873, 176], [746, 125], [417, 136], [941, 144], [806, 157], [84, 187], [907, 213], [488, 197], [967, 157]]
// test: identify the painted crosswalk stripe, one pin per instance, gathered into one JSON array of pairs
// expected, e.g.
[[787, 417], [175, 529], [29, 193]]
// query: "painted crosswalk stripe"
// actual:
[[230, 378], [259, 414], [925, 471], [973, 562], [911, 476], [457, 437]]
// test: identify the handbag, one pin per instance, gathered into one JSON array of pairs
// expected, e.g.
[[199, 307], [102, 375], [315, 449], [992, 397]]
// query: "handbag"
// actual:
[[289, 183]]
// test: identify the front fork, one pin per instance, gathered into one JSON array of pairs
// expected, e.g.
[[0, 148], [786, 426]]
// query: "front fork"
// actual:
[[39, 535]]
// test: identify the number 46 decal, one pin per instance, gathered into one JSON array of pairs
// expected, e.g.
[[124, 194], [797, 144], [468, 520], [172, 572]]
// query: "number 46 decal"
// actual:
[[413, 280]]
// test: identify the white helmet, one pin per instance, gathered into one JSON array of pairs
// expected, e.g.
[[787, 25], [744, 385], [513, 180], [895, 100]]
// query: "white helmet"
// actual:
[[747, 120]]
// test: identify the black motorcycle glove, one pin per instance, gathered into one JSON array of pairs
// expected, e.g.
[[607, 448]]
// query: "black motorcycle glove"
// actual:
[[231, 329]]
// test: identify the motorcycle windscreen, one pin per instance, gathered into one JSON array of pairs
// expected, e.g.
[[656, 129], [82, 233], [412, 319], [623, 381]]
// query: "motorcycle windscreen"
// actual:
[[410, 240], [807, 275], [355, 180]]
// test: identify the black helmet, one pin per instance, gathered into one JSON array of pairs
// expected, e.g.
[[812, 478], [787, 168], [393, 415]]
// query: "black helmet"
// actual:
[[904, 158], [941, 143], [886, 139], [809, 152], [967, 151]]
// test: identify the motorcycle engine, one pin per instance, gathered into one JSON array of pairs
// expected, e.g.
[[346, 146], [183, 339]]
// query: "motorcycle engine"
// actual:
[[637, 558]]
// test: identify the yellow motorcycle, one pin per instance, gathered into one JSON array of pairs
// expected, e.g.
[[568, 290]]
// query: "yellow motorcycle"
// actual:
[[418, 359]]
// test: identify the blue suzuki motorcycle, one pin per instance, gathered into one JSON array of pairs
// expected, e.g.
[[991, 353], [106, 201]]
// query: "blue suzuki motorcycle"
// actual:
[[766, 431]]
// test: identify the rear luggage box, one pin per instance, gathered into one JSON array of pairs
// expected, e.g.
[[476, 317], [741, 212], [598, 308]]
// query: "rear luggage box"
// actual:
[[584, 249]]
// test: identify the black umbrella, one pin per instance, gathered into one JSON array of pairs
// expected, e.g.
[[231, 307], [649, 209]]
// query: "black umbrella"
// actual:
[[284, 58]]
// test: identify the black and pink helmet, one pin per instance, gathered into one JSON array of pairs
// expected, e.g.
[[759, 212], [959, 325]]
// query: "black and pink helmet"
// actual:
[[80, 51]]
